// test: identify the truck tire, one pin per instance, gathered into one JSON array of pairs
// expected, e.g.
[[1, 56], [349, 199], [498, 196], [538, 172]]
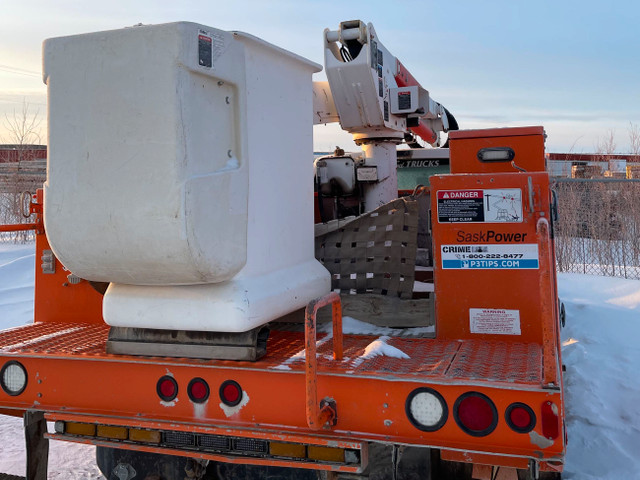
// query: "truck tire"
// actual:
[[151, 466], [231, 471]]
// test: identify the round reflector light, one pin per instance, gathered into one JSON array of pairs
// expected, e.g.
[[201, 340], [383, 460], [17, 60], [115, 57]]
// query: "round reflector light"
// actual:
[[476, 414], [167, 388], [426, 409], [198, 390], [520, 417], [13, 378], [230, 393]]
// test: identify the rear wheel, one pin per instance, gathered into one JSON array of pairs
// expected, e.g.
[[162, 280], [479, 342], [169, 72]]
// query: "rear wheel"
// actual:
[[117, 464]]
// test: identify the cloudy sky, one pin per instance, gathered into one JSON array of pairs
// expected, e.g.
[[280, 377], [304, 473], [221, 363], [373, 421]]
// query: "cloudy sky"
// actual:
[[572, 66]]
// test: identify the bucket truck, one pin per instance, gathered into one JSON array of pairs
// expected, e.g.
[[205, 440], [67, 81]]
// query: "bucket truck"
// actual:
[[184, 323]]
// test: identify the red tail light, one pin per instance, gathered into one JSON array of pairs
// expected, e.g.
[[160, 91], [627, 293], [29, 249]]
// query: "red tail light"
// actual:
[[550, 420], [520, 417], [476, 414], [198, 390], [230, 393], [167, 388]]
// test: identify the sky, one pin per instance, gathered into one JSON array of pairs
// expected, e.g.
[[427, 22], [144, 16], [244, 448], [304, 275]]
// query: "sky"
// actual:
[[571, 66]]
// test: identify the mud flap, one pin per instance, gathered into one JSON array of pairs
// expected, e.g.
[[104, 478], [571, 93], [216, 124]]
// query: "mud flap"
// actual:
[[398, 462], [35, 426]]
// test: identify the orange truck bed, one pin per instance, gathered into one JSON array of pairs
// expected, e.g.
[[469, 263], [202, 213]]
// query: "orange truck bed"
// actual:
[[73, 378], [491, 378]]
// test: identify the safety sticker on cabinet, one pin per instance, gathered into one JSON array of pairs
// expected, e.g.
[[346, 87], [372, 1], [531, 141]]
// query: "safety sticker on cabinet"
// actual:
[[510, 256], [494, 321], [488, 206]]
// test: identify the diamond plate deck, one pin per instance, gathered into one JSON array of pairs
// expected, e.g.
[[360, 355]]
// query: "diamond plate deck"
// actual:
[[429, 359]]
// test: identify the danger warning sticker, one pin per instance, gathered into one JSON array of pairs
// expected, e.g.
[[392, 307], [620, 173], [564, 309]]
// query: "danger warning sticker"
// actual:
[[466, 206], [494, 321]]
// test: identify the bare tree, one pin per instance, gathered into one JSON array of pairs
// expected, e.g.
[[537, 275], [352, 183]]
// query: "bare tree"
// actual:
[[23, 130], [607, 144], [23, 127], [634, 138]]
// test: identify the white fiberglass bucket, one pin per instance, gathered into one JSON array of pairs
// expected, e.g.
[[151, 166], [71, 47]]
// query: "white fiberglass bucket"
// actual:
[[178, 172]]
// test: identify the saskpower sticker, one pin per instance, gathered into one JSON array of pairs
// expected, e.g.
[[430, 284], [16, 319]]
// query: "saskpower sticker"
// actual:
[[521, 256]]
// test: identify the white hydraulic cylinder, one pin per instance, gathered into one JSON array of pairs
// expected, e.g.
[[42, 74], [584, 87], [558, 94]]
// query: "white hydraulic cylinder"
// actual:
[[383, 157]]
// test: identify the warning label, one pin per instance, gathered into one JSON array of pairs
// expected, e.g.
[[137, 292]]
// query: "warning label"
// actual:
[[460, 206], [494, 321], [509, 256], [204, 50], [466, 206], [210, 47]]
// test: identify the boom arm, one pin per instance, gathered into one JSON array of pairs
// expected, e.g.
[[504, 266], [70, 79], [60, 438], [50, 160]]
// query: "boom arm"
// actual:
[[377, 100], [371, 92]]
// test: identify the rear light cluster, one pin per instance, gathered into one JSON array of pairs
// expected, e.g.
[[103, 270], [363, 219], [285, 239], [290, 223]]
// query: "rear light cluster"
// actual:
[[520, 417], [198, 390], [426, 409], [476, 414], [211, 443], [13, 378]]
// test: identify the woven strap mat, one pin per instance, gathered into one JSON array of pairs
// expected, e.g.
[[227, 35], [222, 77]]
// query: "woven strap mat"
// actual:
[[374, 253]]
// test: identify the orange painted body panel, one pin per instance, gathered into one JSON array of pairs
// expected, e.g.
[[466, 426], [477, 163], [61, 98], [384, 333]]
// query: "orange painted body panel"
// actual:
[[74, 375], [459, 289], [57, 300], [527, 142]]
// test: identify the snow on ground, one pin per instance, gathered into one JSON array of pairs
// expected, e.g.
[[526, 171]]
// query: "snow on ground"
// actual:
[[601, 350], [602, 354], [67, 461], [16, 284]]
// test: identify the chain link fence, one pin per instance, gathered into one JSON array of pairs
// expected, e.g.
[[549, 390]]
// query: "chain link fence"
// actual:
[[597, 232], [17, 181], [598, 227]]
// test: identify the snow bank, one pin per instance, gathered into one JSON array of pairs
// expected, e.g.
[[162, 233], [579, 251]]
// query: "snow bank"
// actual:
[[67, 461], [17, 263], [602, 381]]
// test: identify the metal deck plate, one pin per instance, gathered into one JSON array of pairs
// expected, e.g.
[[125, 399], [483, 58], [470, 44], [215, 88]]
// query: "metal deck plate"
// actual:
[[431, 359]]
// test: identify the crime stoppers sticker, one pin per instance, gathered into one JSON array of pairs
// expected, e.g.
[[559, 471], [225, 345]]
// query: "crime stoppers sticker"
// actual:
[[490, 256], [488, 206], [494, 321]]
